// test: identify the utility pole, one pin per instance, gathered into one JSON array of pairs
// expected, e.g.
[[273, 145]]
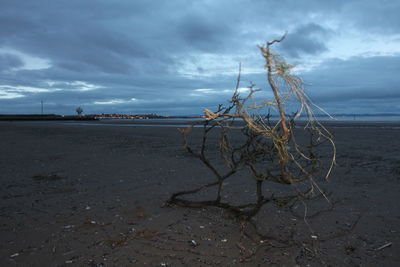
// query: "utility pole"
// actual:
[[41, 101]]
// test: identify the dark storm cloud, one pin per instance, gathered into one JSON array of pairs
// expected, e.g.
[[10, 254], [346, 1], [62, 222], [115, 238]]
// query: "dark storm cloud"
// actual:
[[72, 36], [306, 39], [357, 82], [201, 33], [8, 61], [159, 52], [381, 16]]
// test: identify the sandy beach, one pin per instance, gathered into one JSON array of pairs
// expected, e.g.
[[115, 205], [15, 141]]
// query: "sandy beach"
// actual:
[[92, 194]]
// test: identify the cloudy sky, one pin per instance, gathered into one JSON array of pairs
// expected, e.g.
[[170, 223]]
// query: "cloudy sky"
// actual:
[[181, 56]]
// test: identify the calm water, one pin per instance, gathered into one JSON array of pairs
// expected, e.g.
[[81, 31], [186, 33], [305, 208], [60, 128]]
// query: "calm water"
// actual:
[[339, 121], [347, 118], [362, 118]]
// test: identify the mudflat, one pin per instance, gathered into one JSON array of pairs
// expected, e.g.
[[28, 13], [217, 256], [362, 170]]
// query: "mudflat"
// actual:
[[93, 194]]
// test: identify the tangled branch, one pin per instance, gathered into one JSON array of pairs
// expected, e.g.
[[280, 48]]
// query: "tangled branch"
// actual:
[[269, 148]]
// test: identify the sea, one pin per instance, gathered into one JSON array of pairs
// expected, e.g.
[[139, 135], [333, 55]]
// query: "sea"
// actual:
[[348, 121]]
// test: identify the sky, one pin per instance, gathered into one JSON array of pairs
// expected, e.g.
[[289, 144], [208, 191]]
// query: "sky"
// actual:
[[179, 57]]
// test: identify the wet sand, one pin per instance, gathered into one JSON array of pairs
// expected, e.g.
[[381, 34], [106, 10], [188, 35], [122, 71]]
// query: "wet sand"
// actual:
[[93, 195]]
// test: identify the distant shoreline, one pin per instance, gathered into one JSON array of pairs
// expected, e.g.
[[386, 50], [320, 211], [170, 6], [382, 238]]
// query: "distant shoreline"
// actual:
[[44, 117], [336, 118]]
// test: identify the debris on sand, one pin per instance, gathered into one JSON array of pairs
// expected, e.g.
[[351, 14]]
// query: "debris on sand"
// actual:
[[53, 177]]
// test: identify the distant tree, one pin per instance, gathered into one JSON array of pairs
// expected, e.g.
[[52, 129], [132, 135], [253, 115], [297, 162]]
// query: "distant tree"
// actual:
[[79, 111]]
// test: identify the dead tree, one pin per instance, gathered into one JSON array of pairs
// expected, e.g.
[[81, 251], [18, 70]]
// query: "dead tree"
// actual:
[[268, 148], [79, 111]]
